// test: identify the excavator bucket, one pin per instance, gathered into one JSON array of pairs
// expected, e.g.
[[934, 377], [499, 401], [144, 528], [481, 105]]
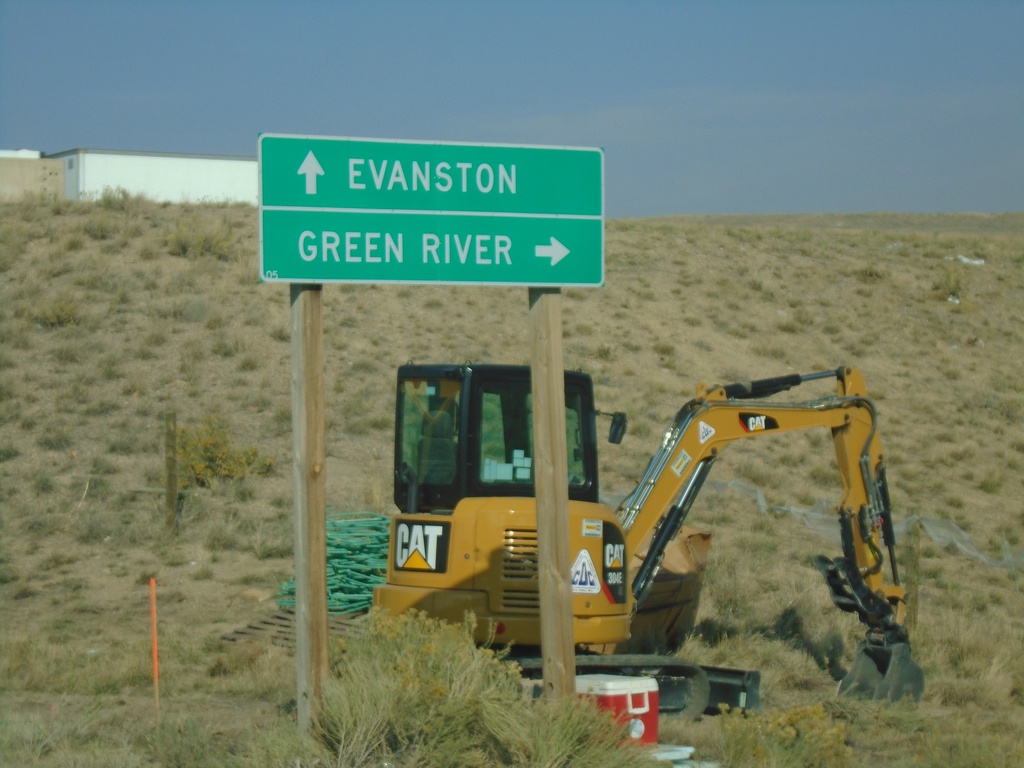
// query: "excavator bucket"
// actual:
[[884, 673], [883, 668]]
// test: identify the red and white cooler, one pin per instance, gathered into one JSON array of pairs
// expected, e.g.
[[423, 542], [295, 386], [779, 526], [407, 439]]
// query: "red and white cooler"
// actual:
[[633, 700]]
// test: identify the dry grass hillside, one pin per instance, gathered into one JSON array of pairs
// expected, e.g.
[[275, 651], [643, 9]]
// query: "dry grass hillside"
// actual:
[[116, 312]]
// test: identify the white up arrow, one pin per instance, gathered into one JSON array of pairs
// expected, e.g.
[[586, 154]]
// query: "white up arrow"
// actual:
[[556, 251], [310, 168]]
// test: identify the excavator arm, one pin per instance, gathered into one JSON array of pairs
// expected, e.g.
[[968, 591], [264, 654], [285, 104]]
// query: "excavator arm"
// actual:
[[703, 427]]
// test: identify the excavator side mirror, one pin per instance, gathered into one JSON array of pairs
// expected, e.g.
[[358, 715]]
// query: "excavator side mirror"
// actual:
[[617, 430]]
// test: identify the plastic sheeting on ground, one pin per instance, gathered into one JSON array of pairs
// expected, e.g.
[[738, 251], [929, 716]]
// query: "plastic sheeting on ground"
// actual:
[[821, 519]]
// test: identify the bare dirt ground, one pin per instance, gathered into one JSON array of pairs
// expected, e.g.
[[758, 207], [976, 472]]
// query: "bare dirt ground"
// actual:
[[114, 313]]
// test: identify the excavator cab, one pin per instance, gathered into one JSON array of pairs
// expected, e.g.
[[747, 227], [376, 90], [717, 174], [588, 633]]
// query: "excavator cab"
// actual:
[[465, 538], [466, 431]]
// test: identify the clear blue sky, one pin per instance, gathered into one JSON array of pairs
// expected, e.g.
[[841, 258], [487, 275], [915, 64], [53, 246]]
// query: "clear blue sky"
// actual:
[[701, 107]]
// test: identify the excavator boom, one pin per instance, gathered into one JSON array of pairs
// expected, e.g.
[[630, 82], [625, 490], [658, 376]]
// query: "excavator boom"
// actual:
[[717, 416]]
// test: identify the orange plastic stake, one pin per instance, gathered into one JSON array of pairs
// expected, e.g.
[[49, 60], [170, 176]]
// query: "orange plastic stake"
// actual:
[[156, 654]]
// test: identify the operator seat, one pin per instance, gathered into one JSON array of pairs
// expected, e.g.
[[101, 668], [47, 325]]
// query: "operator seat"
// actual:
[[437, 450]]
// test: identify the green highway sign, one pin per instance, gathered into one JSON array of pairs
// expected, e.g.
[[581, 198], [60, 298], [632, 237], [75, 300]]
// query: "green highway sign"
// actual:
[[336, 210]]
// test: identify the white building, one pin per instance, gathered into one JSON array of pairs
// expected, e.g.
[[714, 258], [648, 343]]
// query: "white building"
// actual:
[[24, 154], [160, 176]]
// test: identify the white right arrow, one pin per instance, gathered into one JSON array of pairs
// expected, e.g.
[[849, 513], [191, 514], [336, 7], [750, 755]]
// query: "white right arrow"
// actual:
[[556, 251], [310, 168]]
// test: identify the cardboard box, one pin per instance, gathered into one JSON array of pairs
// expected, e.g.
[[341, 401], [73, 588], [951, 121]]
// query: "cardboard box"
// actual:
[[633, 700]]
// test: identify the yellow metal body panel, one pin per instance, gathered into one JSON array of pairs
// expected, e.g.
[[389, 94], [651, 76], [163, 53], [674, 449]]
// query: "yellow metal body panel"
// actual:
[[482, 557]]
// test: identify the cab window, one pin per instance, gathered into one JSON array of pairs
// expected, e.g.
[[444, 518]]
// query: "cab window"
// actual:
[[429, 424], [506, 435]]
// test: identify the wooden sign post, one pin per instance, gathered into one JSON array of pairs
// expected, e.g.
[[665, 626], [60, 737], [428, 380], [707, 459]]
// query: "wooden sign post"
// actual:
[[310, 485], [551, 481]]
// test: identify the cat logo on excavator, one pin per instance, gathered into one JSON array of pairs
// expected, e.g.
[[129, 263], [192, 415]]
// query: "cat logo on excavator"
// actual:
[[422, 547]]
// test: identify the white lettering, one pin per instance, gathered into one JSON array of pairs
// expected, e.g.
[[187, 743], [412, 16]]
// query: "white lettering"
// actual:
[[354, 173], [392, 174], [506, 180], [351, 245], [331, 241], [432, 533], [393, 248], [482, 245], [397, 177], [365, 246], [420, 175], [464, 167], [463, 248], [307, 252], [755, 423], [422, 539], [502, 245], [614, 555], [484, 249], [371, 247], [483, 171], [378, 176], [430, 244], [444, 179], [401, 544]]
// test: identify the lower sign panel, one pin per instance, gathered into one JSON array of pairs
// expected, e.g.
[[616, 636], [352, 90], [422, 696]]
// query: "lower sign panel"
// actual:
[[337, 246]]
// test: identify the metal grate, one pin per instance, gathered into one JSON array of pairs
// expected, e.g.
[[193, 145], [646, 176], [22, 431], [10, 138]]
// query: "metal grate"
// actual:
[[526, 600], [519, 564], [519, 558]]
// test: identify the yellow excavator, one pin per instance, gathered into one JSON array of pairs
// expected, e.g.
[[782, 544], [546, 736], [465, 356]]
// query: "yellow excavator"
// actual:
[[465, 539]]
